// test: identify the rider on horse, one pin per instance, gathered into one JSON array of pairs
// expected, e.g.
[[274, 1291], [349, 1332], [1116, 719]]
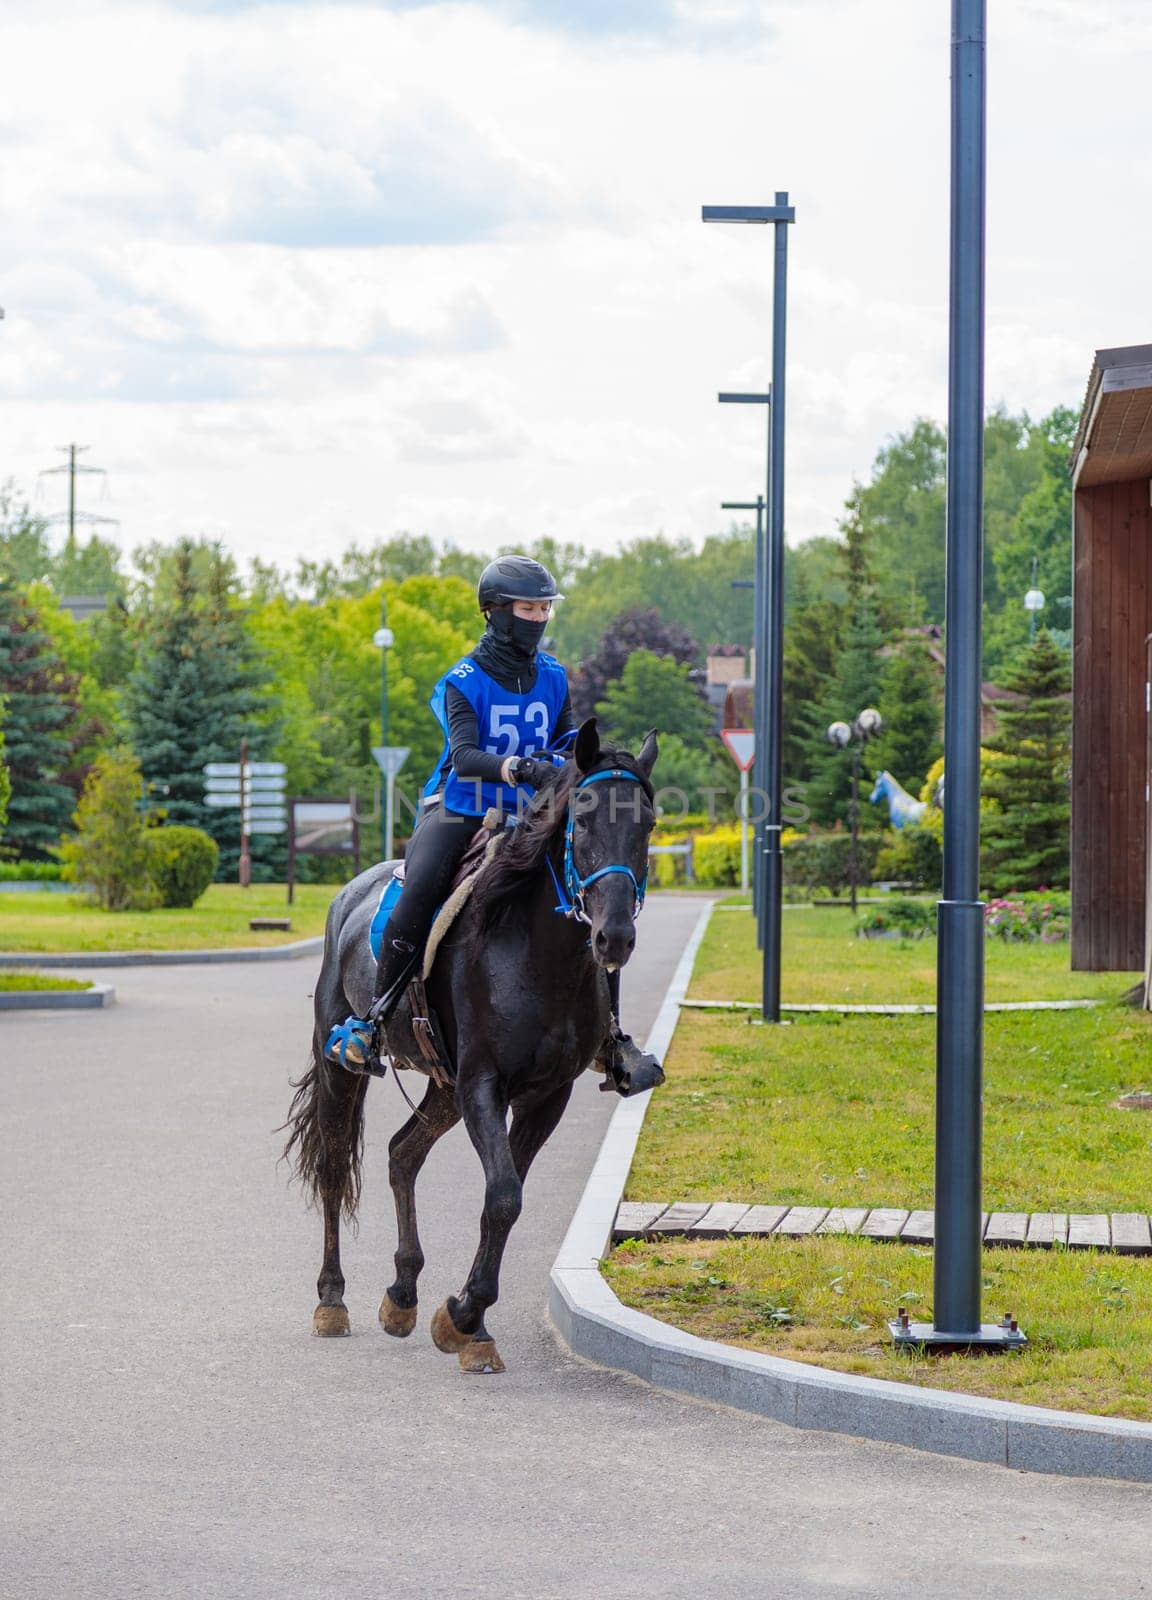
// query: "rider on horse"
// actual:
[[503, 708]]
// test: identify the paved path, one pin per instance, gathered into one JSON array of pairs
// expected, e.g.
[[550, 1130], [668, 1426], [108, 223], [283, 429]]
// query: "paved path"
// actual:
[[169, 1429]]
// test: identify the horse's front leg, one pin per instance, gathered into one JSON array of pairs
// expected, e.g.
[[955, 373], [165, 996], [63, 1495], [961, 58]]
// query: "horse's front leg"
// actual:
[[407, 1153], [458, 1326]]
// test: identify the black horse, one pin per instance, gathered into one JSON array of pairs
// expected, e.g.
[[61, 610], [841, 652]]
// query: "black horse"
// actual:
[[521, 999]]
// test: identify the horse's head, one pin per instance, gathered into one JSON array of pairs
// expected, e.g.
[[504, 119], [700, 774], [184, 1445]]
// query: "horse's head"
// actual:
[[881, 788], [612, 817]]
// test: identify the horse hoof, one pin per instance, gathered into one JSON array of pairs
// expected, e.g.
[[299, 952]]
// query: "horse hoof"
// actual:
[[330, 1322], [446, 1335], [396, 1320], [480, 1355]]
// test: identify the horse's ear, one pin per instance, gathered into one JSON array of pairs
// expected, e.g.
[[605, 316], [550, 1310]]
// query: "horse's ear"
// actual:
[[649, 750], [587, 751]]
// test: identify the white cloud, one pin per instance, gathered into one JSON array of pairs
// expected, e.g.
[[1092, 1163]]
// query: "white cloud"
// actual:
[[303, 273]]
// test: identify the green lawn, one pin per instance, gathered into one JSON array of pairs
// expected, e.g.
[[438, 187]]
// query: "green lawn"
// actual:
[[824, 962], [34, 982], [839, 1110], [56, 923], [830, 1109], [1088, 1317]]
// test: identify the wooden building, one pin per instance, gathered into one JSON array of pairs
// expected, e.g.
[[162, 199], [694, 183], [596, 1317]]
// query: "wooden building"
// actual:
[[1111, 625]]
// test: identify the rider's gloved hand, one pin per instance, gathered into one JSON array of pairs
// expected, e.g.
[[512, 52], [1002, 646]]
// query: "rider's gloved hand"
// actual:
[[526, 769]]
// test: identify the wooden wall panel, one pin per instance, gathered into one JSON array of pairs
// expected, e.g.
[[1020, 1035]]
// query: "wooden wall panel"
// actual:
[[1112, 597]]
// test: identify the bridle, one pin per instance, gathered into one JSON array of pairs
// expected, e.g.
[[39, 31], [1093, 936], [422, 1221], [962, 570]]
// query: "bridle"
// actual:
[[570, 892]]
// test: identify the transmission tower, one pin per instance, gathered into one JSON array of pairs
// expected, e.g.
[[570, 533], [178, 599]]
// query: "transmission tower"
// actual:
[[72, 516]]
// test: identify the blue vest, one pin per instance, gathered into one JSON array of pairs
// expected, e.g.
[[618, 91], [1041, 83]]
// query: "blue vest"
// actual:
[[509, 724]]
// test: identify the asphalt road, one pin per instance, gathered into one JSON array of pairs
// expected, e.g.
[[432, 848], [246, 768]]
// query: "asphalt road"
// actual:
[[169, 1427]]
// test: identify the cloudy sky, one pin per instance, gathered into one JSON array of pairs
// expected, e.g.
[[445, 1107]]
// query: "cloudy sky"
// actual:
[[303, 273]]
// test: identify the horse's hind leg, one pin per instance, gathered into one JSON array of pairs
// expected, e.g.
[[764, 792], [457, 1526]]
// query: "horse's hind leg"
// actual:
[[407, 1152], [459, 1324], [325, 1141]]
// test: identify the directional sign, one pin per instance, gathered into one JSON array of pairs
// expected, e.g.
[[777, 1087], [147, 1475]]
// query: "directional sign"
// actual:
[[268, 827], [222, 799], [741, 744], [390, 758], [254, 769]]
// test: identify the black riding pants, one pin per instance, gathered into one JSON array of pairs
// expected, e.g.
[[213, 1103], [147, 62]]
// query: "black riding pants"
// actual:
[[430, 862]]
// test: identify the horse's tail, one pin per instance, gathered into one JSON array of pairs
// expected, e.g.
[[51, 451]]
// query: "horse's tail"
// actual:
[[325, 1143]]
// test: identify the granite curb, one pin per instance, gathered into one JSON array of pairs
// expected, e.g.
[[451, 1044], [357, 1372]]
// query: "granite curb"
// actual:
[[162, 958], [595, 1325], [93, 999]]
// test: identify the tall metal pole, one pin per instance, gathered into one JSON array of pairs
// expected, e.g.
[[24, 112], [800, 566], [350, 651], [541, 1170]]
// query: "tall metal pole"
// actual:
[[960, 914], [758, 720], [759, 505], [773, 882], [386, 810], [781, 215]]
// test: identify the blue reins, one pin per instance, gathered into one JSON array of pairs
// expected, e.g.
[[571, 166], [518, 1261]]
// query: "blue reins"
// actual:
[[571, 892]]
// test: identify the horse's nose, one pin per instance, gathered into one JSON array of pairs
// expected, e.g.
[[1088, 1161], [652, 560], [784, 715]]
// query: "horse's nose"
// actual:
[[613, 944]]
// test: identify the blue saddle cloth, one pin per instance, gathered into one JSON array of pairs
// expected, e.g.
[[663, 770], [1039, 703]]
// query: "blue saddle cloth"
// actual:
[[388, 898]]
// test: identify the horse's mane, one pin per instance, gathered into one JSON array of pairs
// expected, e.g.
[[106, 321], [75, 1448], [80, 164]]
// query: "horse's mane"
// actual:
[[503, 884]]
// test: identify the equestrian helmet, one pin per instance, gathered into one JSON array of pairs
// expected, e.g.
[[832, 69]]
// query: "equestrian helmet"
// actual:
[[515, 578]]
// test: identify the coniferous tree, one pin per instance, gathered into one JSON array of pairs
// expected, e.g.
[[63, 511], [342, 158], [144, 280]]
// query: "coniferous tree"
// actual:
[[1026, 836], [193, 698], [5, 780], [910, 705], [855, 684], [40, 713]]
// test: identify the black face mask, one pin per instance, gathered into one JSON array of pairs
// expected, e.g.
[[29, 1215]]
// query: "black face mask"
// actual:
[[523, 636], [526, 636]]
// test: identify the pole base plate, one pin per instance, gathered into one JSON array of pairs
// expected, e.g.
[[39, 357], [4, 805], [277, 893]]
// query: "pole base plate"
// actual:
[[992, 1336]]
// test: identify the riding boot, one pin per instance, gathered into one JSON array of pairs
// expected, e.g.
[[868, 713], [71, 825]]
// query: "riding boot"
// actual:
[[358, 1045], [628, 1070], [399, 959]]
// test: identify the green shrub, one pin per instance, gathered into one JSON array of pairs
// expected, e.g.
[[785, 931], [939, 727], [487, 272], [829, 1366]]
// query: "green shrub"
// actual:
[[913, 855], [182, 862], [716, 857], [30, 872], [823, 860], [911, 918], [108, 850]]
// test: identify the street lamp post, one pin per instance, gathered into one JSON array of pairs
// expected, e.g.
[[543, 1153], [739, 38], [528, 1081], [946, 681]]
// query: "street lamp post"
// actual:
[[960, 912], [1033, 603], [759, 690], [771, 641], [760, 506], [866, 726], [382, 639]]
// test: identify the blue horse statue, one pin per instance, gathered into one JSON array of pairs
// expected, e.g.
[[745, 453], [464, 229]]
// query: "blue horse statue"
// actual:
[[902, 808]]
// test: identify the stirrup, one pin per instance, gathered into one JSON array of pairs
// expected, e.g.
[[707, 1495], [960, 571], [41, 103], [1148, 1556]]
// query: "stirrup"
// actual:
[[351, 1045]]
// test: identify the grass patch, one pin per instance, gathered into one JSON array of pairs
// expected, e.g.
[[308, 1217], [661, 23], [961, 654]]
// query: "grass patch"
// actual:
[[828, 1110], [822, 962], [57, 923], [1088, 1317], [37, 982], [839, 1110]]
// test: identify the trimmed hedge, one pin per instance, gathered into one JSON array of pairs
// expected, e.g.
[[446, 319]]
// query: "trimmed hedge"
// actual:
[[181, 862], [31, 872], [823, 860]]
